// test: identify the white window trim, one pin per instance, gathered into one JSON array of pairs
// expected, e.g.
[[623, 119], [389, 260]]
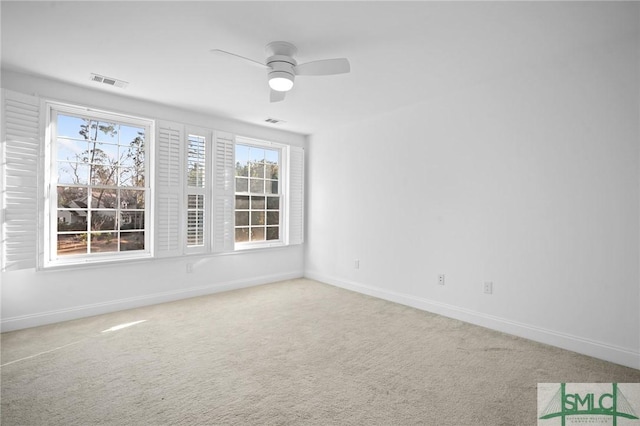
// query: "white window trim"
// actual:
[[284, 192], [49, 258]]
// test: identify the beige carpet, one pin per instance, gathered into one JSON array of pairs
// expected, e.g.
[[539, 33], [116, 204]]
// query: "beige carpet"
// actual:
[[291, 353]]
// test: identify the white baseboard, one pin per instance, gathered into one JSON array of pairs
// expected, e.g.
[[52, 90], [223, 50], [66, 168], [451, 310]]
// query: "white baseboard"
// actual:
[[618, 355], [50, 317]]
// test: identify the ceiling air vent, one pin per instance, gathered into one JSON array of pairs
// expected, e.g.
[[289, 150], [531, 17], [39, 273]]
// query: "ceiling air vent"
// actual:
[[109, 81], [273, 121]]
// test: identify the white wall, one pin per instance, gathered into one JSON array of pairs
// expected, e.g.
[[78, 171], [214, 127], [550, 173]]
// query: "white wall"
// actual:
[[530, 180], [31, 297]]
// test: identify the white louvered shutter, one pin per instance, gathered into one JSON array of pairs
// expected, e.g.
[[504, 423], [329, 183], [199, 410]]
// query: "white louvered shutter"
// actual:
[[20, 158], [296, 195], [224, 193], [169, 184]]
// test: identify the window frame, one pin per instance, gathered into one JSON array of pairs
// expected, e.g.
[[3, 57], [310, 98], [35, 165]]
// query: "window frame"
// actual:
[[205, 191], [283, 186], [50, 175]]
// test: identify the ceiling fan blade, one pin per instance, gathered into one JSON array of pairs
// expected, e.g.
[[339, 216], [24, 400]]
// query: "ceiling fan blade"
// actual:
[[324, 67], [251, 61], [276, 96]]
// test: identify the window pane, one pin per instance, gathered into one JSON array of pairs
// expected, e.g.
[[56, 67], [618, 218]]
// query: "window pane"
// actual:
[[68, 126], [72, 150], [273, 218], [256, 170], [103, 220], [242, 235], [106, 132], [131, 156], [272, 156], [242, 159], [131, 136], [72, 197], [103, 153], [103, 175], [130, 133], [131, 220], [195, 174], [104, 198], [196, 161], [271, 186], [257, 218], [257, 186], [131, 176], [242, 218], [102, 242], [242, 202], [131, 199], [256, 155], [273, 203], [242, 185], [257, 234], [131, 241], [271, 171], [257, 203], [76, 173], [242, 169], [72, 244], [273, 233], [72, 220]]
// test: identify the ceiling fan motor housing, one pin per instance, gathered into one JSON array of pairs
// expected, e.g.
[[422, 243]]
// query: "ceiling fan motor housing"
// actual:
[[282, 67]]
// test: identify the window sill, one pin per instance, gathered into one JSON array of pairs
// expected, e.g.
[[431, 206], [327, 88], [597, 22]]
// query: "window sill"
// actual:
[[261, 245], [81, 263], [120, 261]]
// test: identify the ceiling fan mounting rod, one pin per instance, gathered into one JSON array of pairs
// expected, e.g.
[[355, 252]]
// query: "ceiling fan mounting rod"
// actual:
[[280, 48]]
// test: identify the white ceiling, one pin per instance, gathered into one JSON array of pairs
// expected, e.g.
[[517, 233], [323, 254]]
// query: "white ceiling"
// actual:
[[401, 53]]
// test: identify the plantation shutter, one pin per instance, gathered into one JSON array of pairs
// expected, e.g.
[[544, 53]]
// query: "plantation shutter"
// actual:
[[169, 183], [223, 197], [296, 195], [19, 182]]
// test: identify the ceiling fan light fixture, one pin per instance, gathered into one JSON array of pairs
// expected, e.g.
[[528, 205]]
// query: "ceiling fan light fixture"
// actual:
[[280, 81]]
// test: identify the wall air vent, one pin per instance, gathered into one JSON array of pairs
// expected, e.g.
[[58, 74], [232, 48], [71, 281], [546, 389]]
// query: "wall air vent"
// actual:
[[273, 121], [109, 81]]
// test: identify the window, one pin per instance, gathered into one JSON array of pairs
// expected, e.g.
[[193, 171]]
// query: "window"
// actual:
[[258, 193], [197, 186], [99, 196], [91, 186]]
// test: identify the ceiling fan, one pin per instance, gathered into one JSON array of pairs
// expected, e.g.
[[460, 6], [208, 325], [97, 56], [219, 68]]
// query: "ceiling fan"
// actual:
[[282, 68]]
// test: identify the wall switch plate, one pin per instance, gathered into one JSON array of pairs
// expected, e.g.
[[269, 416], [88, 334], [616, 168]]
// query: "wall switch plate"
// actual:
[[441, 279], [189, 268], [356, 264], [488, 287]]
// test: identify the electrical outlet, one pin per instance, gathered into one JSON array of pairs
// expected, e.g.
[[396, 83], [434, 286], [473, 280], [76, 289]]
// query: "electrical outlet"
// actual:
[[189, 268], [488, 287], [356, 264], [441, 279]]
